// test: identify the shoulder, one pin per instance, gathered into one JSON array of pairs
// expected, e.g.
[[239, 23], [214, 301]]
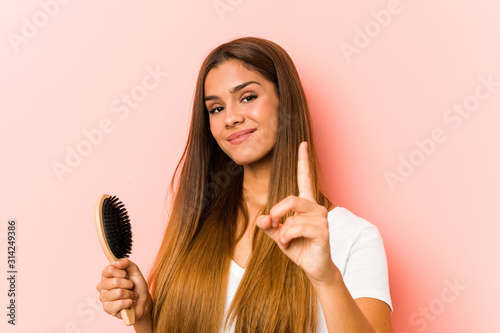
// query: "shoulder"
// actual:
[[357, 249], [345, 226]]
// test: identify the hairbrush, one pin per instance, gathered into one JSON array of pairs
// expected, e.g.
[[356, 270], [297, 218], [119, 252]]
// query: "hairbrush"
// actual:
[[115, 236]]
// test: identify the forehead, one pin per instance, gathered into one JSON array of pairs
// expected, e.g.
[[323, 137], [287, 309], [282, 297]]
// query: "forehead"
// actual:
[[229, 74]]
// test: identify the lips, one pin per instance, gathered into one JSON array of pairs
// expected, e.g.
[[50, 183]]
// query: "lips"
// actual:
[[240, 133]]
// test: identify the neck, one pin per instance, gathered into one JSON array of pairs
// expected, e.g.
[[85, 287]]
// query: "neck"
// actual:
[[256, 182]]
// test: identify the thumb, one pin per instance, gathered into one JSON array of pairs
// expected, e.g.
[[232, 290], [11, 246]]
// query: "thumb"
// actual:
[[264, 222], [134, 274]]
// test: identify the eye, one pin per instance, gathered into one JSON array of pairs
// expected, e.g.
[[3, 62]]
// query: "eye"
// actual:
[[249, 98], [217, 108]]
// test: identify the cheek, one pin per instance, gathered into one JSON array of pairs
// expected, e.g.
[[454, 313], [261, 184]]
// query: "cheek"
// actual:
[[273, 122], [214, 129], [275, 126], [270, 133]]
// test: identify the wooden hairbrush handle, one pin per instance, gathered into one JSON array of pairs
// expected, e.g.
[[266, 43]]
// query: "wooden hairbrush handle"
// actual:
[[128, 314]]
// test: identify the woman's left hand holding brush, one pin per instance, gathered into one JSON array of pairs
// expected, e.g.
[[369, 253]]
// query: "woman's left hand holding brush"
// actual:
[[123, 285]]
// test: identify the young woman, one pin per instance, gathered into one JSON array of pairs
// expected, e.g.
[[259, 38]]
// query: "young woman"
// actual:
[[252, 244]]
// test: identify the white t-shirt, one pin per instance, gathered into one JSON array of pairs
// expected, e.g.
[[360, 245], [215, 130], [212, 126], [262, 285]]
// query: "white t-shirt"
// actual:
[[357, 250]]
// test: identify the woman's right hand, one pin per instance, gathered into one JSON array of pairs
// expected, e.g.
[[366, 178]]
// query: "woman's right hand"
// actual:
[[123, 285]]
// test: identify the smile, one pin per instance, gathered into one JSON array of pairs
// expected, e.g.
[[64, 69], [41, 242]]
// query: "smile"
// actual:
[[238, 138]]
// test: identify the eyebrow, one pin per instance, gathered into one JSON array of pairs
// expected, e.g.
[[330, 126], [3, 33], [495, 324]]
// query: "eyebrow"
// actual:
[[234, 89]]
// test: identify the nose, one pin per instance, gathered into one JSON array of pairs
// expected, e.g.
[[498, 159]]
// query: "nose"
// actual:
[[233, 116]]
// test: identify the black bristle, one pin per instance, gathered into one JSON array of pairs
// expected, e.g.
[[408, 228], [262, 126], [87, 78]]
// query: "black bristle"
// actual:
[[117, 227]]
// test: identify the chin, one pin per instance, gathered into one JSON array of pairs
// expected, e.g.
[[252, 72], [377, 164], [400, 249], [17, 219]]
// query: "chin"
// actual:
[[242, 161], [248, 160]]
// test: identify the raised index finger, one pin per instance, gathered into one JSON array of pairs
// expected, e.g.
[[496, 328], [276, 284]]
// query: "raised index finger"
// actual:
[[304, 175]]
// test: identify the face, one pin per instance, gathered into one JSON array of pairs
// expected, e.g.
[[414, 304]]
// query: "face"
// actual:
[[243, 111]]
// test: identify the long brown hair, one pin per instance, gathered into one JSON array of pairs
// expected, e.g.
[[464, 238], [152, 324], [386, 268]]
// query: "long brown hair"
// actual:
[[189, 278]]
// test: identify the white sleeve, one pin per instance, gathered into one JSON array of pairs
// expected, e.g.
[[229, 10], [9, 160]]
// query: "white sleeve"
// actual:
[[358, 251], [366, 271]]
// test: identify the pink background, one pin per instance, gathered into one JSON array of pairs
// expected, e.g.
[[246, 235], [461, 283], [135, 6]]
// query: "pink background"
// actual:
[[66, 65]]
